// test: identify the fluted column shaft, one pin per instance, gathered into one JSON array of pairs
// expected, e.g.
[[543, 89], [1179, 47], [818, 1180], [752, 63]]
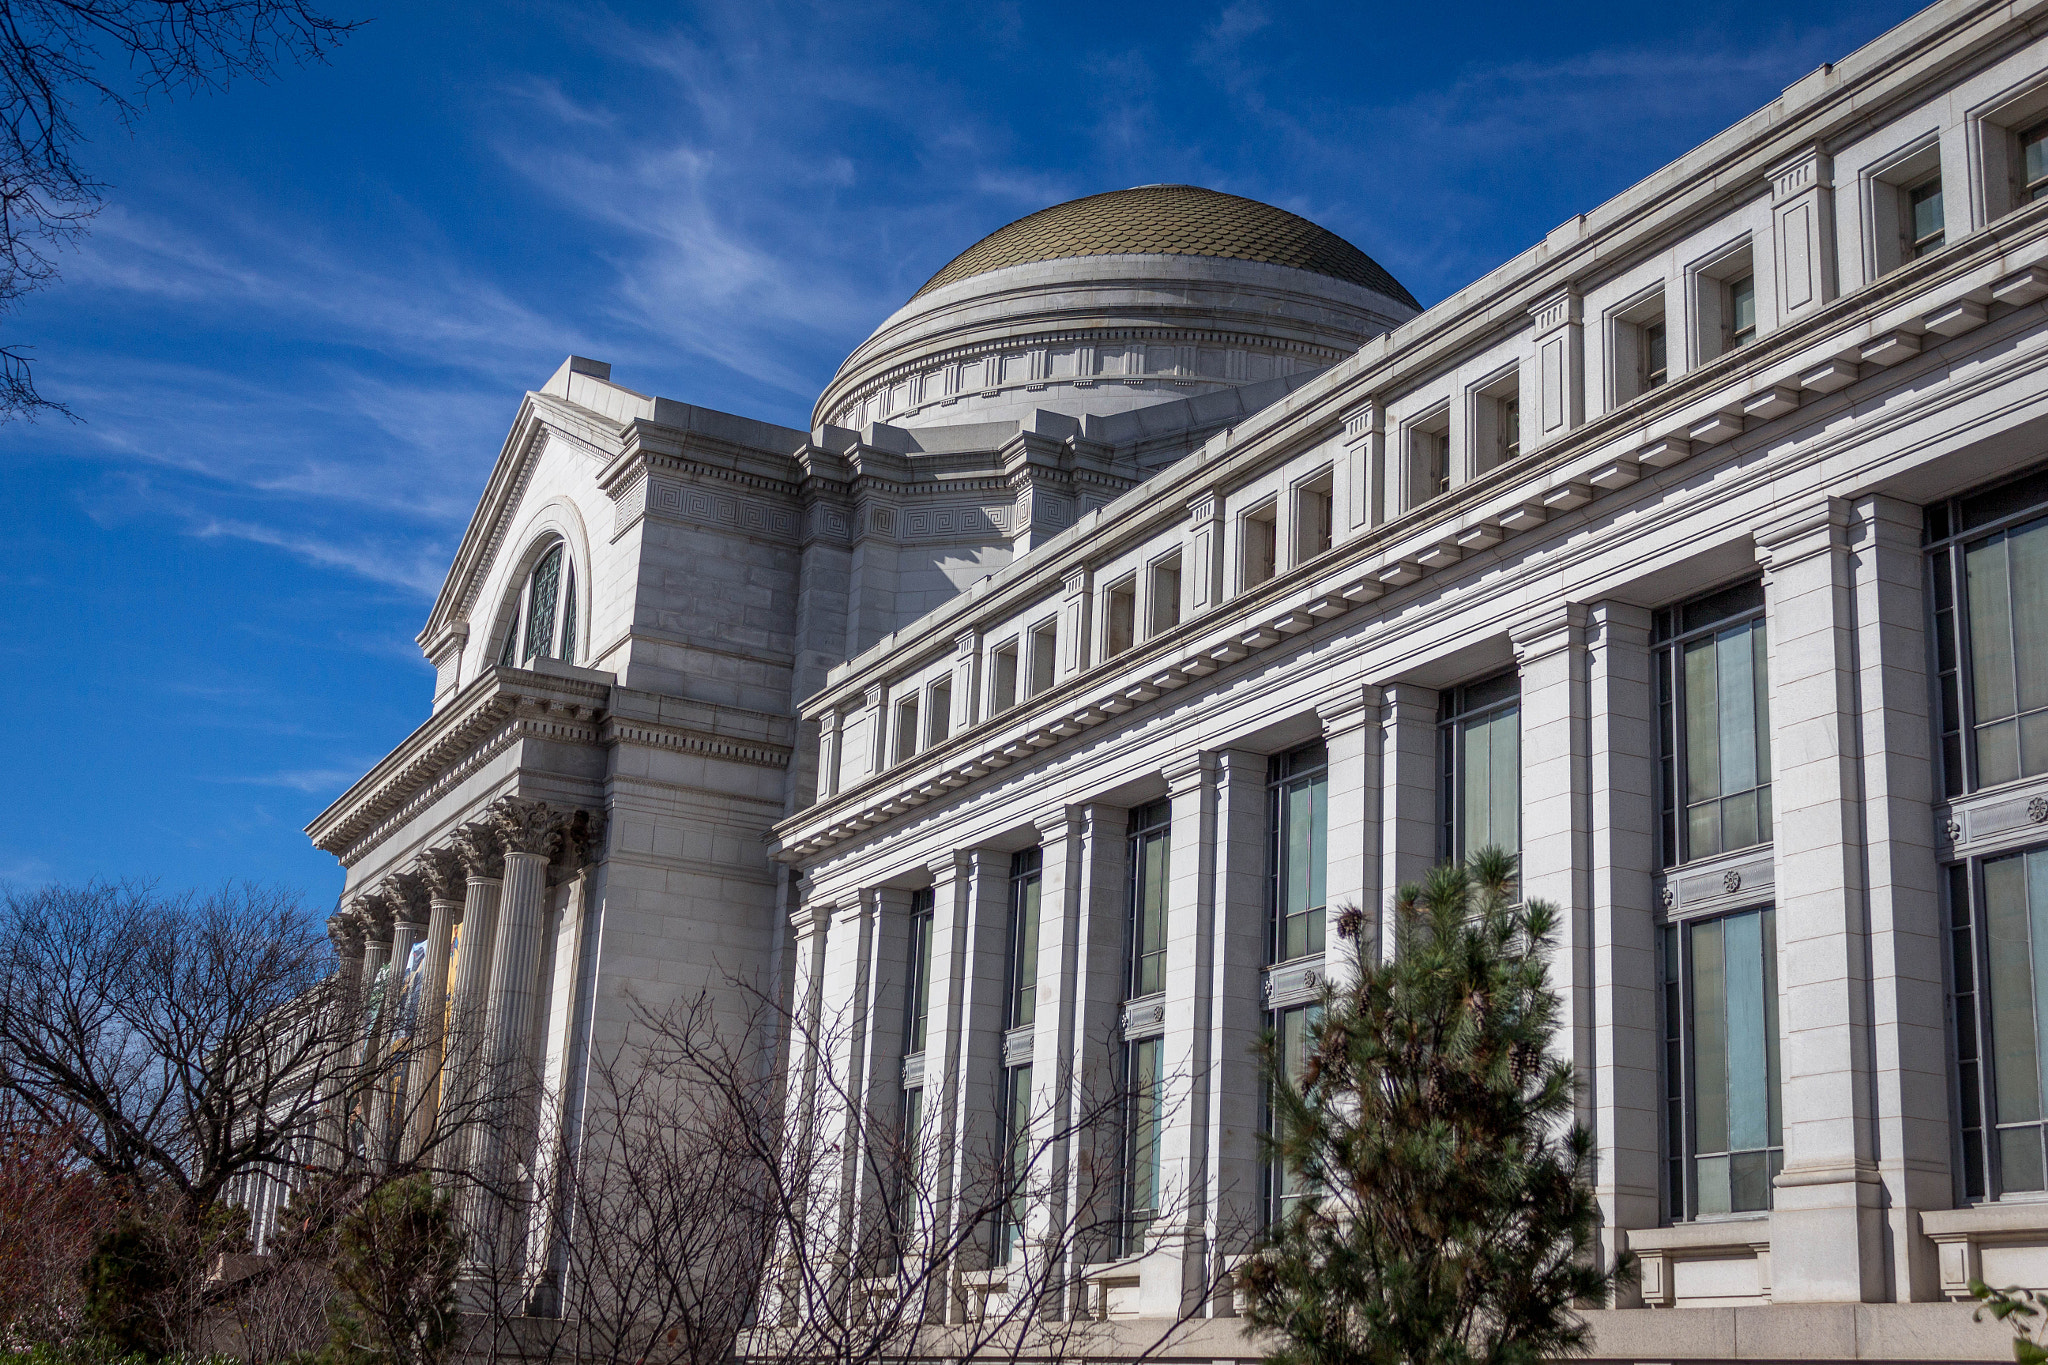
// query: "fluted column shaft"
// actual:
[[460, 1080], [387, 1107], [430, 1029]]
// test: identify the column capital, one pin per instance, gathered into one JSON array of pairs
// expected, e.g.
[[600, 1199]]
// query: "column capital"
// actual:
[[1818, 527], [1190, 771], [1347, 708], [1362, 419], [1548, 632], [443, 872], [1803, 170], [950, 866], [1206, 507], [409, 894], [811, 918], [525, 826], [967, 641], [1609, 620], [373, 911], [481, 852], [1402, 701], [583, 834], [345, 932], [1891, 522], [1555, 310], [1060, 822]]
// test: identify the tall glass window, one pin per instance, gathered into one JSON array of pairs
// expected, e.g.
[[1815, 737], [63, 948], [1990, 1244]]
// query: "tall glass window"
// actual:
[[1989, 591], [1999, 943], [1151, 828], [1291, 1031], [1024, 879], [1714, 724], [1480, 741], [1299, 783], [1016, 1161], [1142, 1109], [917, 1001], [543, 622], [1723, 1138]]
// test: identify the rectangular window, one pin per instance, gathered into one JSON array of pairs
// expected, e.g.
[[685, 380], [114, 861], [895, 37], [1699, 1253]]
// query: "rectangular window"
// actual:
[[1045, 644], [917, 1000], [2034, 163], [1002, 683], [1291, 1031], [1260, 538], [1510, 429], [1656, 367], [1298, 857], [1164, 607], [1741, 311], [1151, 829], [1723, 1140], [1024, 881], [1988, 565], [1480, 746], [938, 712], [1314, 517], [906, 728], [1714, 724], [1999, 945], [1429, 458], [1119, 618], [1924, 223], [1142, 1133], [1016, 1161]]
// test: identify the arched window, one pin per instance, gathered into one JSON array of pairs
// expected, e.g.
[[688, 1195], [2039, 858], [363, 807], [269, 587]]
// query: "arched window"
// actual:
[[543, 623]]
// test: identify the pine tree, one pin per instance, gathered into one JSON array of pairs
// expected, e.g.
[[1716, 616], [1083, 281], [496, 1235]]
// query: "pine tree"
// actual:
[[1449, 1220], [397, 1257]]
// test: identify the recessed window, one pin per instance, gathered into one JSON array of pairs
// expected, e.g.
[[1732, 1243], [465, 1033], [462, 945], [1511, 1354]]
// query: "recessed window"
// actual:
[[1429, 458], [1164, 596], [1002, 683], [917, 1000], [1714, 724], [1923, 218], [1291, 1032], [1144, 1096], [938, 712], [543, 620], [906, 728], [1119, 617], [1641, 355], [1260, 539], [1009, 1226], [1497, 423], [1724, 1130], [1045, 643], [1314, 517], [1480, 738], [1741, 310], [2034, 163], [1989, 567], [1298, 787], [1150, 851], [1998, 925]]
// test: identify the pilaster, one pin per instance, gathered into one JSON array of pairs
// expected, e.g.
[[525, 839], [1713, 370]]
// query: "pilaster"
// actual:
[[1624, 1085], [1408, 812], [1099, 978], [1826, 1225], [1803, 232], [1202, 563], [1907, 937], [1350, 719], [1076, 598], [1237, 1016], [1556, 402], [966, 681], [1061, 848], [1362, 470], [1556, 857]]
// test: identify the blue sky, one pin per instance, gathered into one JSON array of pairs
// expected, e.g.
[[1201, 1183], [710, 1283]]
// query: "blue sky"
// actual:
[[301, 327]]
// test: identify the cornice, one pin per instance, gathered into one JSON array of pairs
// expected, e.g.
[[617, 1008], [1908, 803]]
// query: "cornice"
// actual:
[[686, 740], [1295, 603], [480, 721]]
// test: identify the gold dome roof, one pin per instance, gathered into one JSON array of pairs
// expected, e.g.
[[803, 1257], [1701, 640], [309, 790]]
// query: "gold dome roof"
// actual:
[[1171, 220]]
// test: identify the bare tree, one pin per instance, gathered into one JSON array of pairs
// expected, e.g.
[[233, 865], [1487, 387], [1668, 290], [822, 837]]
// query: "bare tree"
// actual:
[[708, 1212], [176, 1041], [58, 54]]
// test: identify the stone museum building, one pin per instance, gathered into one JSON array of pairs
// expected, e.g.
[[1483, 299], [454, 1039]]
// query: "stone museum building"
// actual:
[[1161, 578]]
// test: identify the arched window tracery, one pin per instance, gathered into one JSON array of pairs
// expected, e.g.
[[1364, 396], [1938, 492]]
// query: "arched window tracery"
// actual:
[[543, 623]]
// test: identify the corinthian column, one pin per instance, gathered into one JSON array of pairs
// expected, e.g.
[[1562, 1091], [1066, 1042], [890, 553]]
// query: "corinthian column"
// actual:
[[531, 831], [444, 875], [407, 897], [345, 931], [483, 860]]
